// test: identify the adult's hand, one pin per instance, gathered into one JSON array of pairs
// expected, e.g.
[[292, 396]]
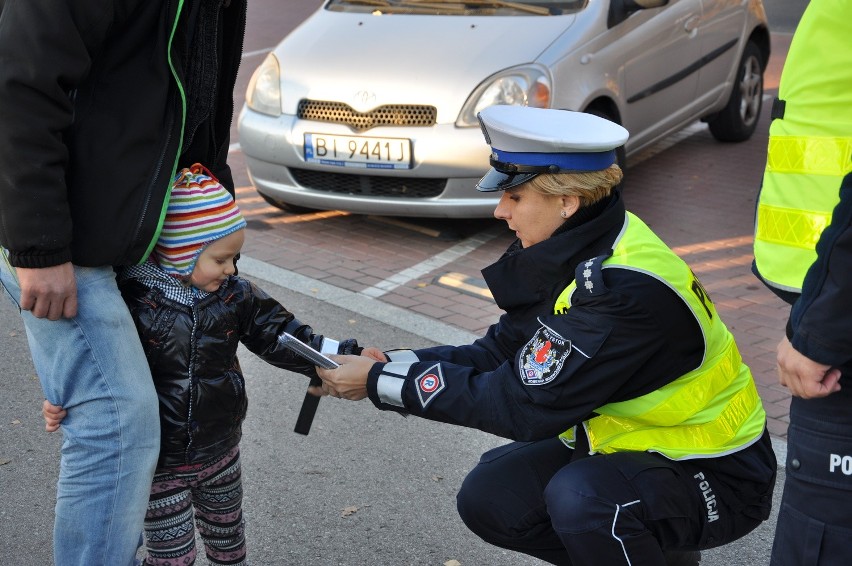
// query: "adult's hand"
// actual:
[[371, 353], [349, 381], [49, 292], [374, 354], [804, 377]]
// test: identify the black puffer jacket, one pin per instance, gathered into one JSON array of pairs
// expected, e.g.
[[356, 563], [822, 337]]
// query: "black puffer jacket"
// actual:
[[192, 351]]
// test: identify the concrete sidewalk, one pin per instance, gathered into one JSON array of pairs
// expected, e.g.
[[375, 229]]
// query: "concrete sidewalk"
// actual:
[[363, 488]]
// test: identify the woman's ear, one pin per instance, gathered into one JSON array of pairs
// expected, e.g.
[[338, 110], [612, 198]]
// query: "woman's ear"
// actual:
[[570, 205]]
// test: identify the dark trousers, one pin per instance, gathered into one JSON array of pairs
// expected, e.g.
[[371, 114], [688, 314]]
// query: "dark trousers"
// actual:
[[625, 508], [815, 516]]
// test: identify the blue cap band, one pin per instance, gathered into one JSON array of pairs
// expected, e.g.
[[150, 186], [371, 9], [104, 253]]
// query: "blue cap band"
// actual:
[[586, 161]]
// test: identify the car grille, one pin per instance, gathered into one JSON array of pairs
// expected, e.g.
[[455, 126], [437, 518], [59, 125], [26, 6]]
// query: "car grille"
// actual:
[[388, 115], [369, 185]]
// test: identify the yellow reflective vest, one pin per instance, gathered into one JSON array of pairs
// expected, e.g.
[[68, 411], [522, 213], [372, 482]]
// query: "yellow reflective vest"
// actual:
[[712, 410], [810, 145]]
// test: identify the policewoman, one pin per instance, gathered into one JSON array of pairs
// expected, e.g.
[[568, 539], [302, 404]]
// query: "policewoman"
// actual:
[[639, 437], [803, 252]]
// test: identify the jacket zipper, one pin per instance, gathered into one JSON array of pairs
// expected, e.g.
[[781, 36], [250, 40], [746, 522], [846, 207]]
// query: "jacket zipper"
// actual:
[[159, 168]]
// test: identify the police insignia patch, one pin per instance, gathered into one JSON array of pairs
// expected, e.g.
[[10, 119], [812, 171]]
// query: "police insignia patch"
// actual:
[[430, 384], [543, 357]]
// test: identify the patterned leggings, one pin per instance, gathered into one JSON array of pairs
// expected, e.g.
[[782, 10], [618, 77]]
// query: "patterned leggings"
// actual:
[[214, 489]]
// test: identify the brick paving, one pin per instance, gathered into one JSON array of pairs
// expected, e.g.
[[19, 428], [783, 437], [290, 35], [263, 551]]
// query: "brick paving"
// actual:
[[698, 195]]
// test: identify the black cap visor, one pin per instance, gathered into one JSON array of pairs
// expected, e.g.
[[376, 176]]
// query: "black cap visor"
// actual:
[[496, 180]]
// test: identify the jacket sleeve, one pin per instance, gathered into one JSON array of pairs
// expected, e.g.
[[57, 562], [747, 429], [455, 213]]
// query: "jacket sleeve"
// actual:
[[486, 353], [266, 319], [565, 369], [820, 326], [46, 49]]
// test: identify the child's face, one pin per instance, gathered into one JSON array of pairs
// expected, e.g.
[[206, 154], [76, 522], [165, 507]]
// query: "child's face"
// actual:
[[216, 262]]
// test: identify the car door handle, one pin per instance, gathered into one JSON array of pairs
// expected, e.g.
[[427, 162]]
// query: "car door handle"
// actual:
[[691, 23]]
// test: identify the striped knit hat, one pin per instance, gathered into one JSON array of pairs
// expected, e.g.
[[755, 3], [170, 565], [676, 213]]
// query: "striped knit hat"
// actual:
[[200, 211]]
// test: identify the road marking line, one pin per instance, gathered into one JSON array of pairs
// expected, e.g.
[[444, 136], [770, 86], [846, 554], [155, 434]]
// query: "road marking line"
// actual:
[[466, 284], [447, 256], [395, 317]]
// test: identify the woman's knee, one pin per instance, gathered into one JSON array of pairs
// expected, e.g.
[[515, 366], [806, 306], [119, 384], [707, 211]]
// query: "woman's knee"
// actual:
[[475, 494], [578, 501]]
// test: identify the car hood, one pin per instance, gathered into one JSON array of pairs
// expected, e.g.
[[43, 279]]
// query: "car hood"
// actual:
[[367, 61]]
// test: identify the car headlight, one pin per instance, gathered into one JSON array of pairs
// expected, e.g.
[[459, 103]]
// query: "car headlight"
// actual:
[[264, 89], [528, 85]]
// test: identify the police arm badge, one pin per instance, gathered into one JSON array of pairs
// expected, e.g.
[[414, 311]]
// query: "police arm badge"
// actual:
[[543, 357]]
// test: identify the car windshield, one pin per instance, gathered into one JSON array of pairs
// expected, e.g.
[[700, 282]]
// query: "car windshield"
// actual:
[[458, 7]]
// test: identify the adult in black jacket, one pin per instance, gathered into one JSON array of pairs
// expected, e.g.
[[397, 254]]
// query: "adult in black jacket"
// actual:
[[100, 103], [640, 438]]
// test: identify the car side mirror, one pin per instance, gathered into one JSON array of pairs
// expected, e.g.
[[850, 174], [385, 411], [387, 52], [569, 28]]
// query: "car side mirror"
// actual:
[[619, 10]]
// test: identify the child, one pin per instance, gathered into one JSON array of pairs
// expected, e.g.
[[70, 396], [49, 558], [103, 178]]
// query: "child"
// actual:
[[191, 312]]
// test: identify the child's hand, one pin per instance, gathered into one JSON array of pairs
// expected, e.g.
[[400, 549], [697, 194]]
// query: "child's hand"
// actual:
[[374, 354], [53, 415]]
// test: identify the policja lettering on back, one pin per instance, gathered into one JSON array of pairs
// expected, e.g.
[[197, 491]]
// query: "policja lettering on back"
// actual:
[[709, 497]]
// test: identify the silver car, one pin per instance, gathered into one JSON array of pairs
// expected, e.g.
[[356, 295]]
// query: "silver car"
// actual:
[[370, 106]]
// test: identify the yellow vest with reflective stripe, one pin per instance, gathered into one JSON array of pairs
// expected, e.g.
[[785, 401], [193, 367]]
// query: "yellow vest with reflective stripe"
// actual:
[[810, 148], [710, 411]]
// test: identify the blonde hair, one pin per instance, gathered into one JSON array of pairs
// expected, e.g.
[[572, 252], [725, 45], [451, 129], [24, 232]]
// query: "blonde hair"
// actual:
[[588, 186]]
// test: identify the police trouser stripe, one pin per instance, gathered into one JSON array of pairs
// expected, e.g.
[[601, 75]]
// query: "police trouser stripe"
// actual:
[[615, 536]]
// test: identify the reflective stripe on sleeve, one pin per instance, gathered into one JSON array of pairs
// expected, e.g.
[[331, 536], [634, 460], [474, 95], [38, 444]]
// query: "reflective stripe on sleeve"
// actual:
[[402, 356], [390, 382], [389, 390], [397, 369]]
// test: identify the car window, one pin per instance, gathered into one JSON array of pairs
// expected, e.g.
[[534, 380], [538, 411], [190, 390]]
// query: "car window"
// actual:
[[459, 7]]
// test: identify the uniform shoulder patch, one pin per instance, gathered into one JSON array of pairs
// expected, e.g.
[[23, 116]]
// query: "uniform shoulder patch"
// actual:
[[589, 277], [543, 356], [429, 384]]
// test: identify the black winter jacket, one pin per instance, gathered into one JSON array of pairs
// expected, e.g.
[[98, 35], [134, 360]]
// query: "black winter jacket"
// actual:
[[192, 352], [820, 326], [638, 337], [635, 334], [92, 106]]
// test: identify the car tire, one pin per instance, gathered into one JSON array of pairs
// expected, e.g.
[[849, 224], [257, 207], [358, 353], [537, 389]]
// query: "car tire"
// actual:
[[738, 120], [287, 207]]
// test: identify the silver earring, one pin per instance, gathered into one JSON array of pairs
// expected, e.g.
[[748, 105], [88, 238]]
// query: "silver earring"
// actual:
[[563, 214]]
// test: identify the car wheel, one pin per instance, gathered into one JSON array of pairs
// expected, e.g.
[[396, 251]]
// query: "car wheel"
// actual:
[[286, 206], [737, 121]]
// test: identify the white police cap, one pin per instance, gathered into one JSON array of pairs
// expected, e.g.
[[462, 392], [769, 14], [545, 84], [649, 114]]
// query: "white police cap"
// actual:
[[526, 142]]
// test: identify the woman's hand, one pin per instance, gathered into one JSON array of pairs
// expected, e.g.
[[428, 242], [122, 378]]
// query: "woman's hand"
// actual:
[[370, 353], [349, 381], [53, 415], [374, 354]]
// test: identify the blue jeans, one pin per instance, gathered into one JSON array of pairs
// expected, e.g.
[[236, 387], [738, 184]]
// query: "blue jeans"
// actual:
[[93, 365]]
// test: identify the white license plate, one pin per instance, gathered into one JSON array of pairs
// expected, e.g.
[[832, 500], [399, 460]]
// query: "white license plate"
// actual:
[[350, 151]]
